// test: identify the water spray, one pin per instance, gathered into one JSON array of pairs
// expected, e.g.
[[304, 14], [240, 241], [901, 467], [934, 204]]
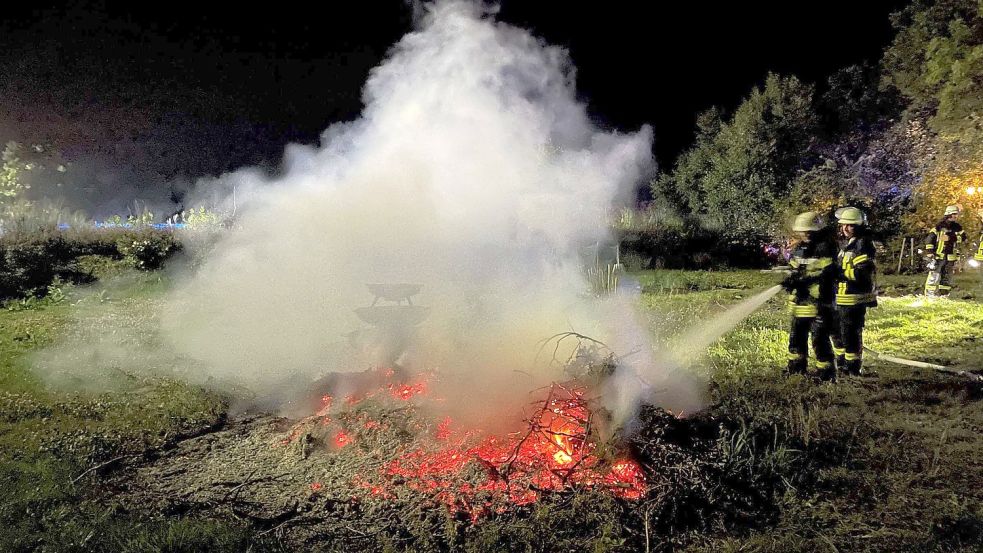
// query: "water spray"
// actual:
[[695, 342]]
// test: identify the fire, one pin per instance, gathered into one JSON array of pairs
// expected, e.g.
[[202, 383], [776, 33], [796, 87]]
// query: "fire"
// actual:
[[443, 429], [342, 438], [628, 479], [325, 405], [562, 458], [405, 392], [479, 474]]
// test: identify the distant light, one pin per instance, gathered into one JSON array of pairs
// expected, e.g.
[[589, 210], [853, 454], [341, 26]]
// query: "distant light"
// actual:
[[971, 190], [974, 263]]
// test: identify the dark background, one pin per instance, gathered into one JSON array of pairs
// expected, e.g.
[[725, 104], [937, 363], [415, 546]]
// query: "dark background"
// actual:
[[194, 89]]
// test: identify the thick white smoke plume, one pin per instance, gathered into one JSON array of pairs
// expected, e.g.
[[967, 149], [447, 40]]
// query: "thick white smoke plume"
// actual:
[[474, 172]]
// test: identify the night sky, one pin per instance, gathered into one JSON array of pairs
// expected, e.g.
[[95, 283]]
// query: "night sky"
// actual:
[[193, 89]]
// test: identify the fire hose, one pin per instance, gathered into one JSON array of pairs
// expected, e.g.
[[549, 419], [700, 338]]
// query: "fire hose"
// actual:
[[922, 365], [890, 358]]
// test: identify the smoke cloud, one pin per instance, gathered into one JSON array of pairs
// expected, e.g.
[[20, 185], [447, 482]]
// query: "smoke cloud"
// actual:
[[475, 173]]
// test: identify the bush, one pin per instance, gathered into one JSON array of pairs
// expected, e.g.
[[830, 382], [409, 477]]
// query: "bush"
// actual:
[[658, 237], [30, 264], [147, 249]]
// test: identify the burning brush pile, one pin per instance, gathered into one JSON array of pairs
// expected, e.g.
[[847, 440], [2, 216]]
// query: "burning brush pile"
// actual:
[[556, 448], [386, 466]]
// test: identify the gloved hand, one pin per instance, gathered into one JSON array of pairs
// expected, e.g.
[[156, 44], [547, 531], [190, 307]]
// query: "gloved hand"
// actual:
[[931, 264], [791, 281]]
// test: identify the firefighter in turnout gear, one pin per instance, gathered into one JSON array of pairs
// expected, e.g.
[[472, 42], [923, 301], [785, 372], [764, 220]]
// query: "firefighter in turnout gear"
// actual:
[[811, 287], [942, 252], [855, 289]]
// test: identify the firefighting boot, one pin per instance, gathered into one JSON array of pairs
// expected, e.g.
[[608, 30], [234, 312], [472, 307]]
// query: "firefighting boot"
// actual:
[[826, 371], [796, 366], [839, 364], [854, 367]]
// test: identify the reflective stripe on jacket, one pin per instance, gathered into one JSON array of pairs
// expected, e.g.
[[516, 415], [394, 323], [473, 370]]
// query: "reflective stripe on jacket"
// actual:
[[856, 280], [944, 241], [814, 266]]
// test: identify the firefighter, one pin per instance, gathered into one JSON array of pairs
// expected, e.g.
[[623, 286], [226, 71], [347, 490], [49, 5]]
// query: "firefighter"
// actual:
[[811, 287], [855, 289], [942, 252]]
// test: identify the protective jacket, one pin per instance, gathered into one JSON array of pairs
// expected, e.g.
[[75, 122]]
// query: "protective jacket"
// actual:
[[812, 281], [856, 284], [944, 241]]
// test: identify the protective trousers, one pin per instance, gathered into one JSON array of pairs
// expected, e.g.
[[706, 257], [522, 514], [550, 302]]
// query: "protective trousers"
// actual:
[[939, 281], [848, 343], [822, 329]]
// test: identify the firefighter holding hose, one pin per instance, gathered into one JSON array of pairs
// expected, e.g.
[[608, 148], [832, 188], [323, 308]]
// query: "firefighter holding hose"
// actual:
[[811, 287], [942, 252], [855, 289]]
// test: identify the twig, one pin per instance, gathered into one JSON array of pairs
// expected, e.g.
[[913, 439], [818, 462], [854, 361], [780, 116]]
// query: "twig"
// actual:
[[244, 482], [648, 513], [561, 336], [103, 465]]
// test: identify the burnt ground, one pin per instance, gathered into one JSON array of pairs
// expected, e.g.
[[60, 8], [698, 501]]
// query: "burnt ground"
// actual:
[[876, 464], [295, 488]]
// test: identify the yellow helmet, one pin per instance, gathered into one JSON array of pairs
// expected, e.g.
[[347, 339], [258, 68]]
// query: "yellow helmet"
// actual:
[[952, 210], [808, 221], [850, 216]]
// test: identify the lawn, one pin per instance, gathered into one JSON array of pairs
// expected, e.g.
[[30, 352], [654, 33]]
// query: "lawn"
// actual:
[[881, 464]]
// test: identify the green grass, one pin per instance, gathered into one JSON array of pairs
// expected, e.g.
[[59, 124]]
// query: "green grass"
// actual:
[[885, 464], [49, 438], [669, 282]]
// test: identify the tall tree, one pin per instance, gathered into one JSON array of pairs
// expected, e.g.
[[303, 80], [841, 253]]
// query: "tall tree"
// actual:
[[738, 170], [936, 62]]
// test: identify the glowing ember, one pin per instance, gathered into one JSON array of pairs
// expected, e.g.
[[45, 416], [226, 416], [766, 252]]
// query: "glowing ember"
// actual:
[[477, 474], [316, 486], [341, 439], [406, 391], [553, 454], [628, 479], [444, 429]]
